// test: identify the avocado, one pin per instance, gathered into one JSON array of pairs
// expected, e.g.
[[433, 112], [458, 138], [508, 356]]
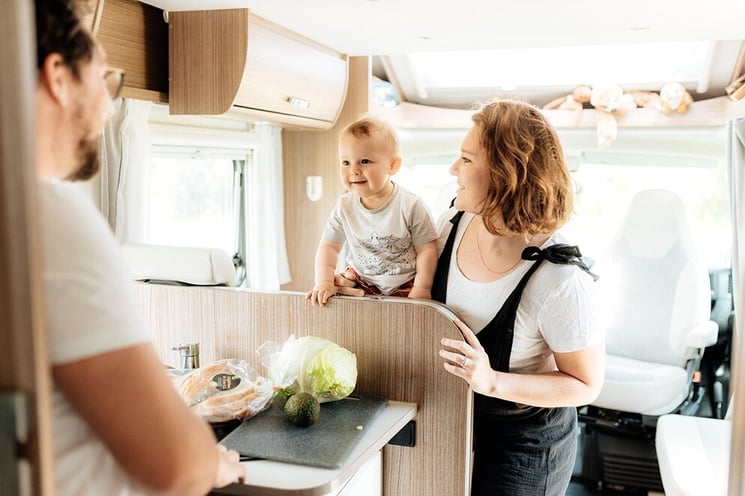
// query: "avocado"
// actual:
[[302, 409]]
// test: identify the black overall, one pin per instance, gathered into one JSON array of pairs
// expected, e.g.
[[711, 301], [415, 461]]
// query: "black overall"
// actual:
[[519, 449]]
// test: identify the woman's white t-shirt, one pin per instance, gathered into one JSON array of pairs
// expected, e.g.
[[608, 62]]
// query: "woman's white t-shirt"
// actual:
[[556, 311]]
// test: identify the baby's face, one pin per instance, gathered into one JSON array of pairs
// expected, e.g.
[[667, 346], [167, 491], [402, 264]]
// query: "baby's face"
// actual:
[[366, 165]]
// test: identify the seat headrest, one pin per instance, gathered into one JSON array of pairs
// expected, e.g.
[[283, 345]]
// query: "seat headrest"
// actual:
[[194, 266], [655, 221]]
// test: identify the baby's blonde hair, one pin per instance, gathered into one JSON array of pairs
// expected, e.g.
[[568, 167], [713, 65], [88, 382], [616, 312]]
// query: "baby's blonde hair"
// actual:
[[372, 127]]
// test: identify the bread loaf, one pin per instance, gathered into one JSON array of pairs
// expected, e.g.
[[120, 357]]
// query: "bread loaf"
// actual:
[[198, 385], [225, 390], [228, 405]]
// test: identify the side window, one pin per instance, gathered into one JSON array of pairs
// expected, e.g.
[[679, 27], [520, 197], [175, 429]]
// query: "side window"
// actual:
[[604, 192], [195, 198], [690, 162]]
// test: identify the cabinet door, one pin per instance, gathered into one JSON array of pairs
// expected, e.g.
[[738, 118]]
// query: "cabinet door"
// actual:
[[367, 481]]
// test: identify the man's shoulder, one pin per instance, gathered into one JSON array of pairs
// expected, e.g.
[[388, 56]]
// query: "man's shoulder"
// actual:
[[68, 216], [64, 201], [58, 201]]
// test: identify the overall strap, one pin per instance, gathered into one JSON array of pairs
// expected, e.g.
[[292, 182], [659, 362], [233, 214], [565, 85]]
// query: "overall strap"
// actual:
[[559, 253], [497, 336], [440, 283]]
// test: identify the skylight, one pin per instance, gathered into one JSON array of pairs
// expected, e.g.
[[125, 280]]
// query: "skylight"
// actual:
[[638, 65]]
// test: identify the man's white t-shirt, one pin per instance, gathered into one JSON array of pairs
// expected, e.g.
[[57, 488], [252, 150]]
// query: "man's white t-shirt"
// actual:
[[381, 242], [91, 310], [556, 311]]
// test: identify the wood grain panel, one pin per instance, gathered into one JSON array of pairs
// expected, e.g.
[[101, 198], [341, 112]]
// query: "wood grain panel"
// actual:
[[283, 65], [24, 368], [396, 343], [135, 37], [316, 153], [229, 61], [207, 55]]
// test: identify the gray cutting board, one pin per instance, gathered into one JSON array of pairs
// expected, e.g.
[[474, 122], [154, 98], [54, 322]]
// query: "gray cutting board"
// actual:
[[326, 443]]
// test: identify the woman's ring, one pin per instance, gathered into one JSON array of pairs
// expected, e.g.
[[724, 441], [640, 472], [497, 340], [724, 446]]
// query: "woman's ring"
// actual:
[[464, 361]]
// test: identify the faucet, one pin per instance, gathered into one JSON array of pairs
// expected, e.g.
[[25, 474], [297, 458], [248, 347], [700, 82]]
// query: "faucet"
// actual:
[[189, 354]]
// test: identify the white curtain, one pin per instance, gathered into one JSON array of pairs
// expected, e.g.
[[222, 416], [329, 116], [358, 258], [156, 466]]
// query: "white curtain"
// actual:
[[125, 153], [266, 252], [736, 159]]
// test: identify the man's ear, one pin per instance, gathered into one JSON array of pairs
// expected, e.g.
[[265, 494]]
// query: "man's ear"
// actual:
[[395, 165], [55, 76]]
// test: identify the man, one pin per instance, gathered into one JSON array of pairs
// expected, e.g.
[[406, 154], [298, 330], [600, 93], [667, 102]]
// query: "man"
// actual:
[[119, 426]]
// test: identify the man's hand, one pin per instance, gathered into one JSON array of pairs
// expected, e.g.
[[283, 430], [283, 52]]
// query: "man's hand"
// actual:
[[229, 470]]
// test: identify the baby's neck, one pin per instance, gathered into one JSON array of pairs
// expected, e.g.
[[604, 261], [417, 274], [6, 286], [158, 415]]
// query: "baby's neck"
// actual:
[[377, 200]]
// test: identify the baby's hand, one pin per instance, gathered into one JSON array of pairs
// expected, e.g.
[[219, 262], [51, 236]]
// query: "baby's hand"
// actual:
[[321, 293], [422, 293]]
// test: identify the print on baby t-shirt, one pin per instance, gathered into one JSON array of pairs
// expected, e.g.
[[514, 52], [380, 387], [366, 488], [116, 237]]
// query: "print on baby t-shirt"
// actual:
[[386, 255]]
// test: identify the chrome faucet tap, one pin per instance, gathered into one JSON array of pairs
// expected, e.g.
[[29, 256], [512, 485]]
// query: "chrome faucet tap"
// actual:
[[189, 355]]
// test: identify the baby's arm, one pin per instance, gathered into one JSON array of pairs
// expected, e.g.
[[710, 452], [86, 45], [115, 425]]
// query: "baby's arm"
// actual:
[[326, 257], [426, 264]]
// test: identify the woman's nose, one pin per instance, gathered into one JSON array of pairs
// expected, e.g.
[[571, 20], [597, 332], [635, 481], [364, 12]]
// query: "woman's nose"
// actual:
[[453, 170]]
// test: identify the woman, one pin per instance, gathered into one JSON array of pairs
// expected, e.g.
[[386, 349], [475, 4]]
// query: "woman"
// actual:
[[536, 353]]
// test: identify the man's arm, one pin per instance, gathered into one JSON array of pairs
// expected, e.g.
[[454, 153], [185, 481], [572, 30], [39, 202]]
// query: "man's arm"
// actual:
[[127, 399]]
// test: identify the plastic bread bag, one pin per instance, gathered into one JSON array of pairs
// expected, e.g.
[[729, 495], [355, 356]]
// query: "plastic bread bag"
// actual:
[[228, 389], [310, 365]]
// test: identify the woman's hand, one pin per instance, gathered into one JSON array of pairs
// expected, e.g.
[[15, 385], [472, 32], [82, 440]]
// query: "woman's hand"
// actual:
[[468, 359], [229, 469]]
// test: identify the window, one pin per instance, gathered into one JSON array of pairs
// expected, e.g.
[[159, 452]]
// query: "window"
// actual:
[[630, 64], [688, 162], [604, 193], [193, 191], [196, 200], [432, 181]]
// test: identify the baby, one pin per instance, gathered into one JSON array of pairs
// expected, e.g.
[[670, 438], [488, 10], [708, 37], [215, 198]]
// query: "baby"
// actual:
[[392, 247]]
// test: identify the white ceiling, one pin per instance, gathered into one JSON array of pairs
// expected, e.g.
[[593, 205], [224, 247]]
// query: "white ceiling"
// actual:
[[383, 27], [398, 27]]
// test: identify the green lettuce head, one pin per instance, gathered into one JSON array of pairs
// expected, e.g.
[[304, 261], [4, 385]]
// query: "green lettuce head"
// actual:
[[332, 372], [312, 365]]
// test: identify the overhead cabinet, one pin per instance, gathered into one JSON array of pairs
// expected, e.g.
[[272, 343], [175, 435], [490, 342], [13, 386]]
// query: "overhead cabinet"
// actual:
[[231, 61]]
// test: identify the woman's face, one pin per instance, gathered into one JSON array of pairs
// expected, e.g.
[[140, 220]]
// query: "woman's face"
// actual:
[[472, 171]]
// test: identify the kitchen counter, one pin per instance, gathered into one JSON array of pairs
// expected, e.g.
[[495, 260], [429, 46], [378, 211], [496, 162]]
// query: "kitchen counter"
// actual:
[[268, 478]]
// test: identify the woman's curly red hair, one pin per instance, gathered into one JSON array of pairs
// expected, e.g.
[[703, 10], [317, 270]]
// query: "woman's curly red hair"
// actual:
[[530, 188]]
